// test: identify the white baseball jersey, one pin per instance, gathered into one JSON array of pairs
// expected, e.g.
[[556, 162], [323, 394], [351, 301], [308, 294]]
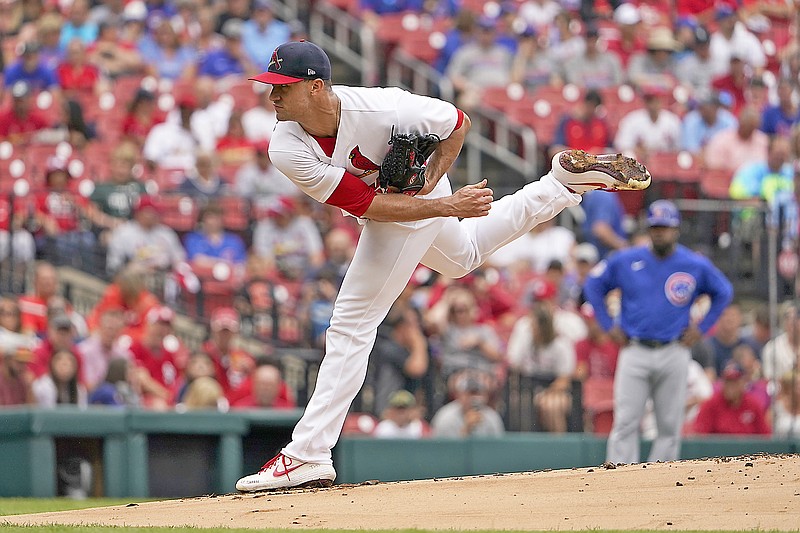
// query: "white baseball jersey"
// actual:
[[367, 119]]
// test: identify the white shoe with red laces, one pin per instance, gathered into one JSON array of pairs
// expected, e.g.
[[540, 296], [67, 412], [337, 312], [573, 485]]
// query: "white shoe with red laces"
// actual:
[[283, 472], [580, 172]]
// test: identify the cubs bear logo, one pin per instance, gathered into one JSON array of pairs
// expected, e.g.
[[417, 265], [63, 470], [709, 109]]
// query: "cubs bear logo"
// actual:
[[679, 288], [362, 162]]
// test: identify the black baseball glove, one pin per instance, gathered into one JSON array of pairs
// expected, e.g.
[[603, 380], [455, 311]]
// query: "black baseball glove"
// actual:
[[403, 168]]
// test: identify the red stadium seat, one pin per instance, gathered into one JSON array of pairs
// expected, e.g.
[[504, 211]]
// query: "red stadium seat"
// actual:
[[177, 211], [715, 183], [235, 213], [504, 98], [675, 175], [542, 116], [673, 166], [244, 95]]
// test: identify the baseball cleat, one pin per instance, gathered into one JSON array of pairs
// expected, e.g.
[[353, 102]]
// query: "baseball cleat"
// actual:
[[581, 172], [283, 472]]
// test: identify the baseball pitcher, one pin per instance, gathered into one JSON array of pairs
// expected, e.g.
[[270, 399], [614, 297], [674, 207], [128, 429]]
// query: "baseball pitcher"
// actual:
[[332, 141]]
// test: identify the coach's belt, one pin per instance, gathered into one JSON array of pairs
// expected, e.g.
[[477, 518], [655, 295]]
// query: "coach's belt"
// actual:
[[652, 343]]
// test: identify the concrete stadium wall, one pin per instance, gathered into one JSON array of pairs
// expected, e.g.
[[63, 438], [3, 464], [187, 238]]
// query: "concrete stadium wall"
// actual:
[[147, 454]]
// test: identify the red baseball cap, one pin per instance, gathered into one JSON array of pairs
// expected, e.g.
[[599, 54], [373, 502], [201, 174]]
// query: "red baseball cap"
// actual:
[[283, 205], [225, 318], [296, 61], [146, 202], [543, 290]]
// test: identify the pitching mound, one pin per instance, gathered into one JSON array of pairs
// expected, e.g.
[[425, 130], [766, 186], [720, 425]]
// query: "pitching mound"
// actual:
[[754, 492]]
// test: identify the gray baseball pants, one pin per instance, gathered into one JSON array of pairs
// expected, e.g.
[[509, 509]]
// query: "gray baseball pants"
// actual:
[[644, 372]]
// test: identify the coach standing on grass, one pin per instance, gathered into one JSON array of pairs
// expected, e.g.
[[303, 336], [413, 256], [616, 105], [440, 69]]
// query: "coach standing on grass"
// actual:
[[658, 285]]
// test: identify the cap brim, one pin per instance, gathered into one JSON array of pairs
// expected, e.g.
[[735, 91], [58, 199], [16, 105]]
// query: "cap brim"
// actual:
[[662, 224], [275, 79], [225, 324]]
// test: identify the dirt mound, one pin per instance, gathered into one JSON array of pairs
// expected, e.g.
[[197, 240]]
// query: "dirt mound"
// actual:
[[753, 492]]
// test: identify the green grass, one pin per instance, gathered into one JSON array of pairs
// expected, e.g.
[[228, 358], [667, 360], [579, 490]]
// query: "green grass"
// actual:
[[9, 506]]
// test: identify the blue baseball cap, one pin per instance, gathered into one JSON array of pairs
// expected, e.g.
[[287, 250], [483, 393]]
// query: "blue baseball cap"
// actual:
[[663, 213], [296, 61]]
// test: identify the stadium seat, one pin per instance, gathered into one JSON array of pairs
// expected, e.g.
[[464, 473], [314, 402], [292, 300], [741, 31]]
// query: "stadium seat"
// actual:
[[542, 116], [506, 97], [359, 424], [244, 95], [235, 213], [675, 175], [125, 88], [418, 44], [715, 184], [179, 212], [166, 179]]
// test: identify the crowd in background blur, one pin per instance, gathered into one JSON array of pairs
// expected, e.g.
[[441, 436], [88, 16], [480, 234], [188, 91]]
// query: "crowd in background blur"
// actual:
[[143, 145]]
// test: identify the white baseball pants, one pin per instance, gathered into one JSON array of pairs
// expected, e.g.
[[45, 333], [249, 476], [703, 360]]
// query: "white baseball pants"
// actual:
[[385, 259]]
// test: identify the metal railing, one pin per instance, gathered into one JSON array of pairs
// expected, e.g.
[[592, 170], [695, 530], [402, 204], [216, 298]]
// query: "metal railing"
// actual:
[[344, 36]]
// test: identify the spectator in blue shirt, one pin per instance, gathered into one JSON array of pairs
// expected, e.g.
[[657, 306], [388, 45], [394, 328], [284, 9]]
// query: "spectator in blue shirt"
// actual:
[[163, 53], [78, 25], [463, 32], [385, 7], [263, 33], [230, 58], [700, 124], [766, 179], [29, 68], [780, 118], [162, 9], [603, 223], [211, 243]]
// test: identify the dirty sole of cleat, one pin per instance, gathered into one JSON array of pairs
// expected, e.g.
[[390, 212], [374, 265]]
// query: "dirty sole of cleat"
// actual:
[[314, 484], [627, 171]]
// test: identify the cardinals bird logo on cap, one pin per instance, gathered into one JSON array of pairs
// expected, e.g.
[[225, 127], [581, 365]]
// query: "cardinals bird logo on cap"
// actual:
[[275, 61]]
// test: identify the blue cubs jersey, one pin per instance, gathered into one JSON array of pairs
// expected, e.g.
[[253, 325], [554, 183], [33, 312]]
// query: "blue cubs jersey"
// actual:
[[657, 293]]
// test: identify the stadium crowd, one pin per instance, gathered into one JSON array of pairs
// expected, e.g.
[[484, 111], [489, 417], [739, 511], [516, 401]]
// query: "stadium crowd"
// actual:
[[145, 155]]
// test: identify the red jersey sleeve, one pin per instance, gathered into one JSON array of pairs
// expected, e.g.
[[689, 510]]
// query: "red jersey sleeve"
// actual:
[[352, 195]]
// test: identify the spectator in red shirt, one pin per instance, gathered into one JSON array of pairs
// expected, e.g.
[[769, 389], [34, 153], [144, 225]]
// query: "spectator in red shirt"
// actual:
[[33, 307], [735, 83], [59, 212], [154, 354], [232, 365], [267, 390], [234, 148], [584, 129], [15, 380], [114, 56], [20, 122], [596, 355], [141, 117], [129, 293], [628, 41], [60, 336], [75, 74], [732, 410]]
